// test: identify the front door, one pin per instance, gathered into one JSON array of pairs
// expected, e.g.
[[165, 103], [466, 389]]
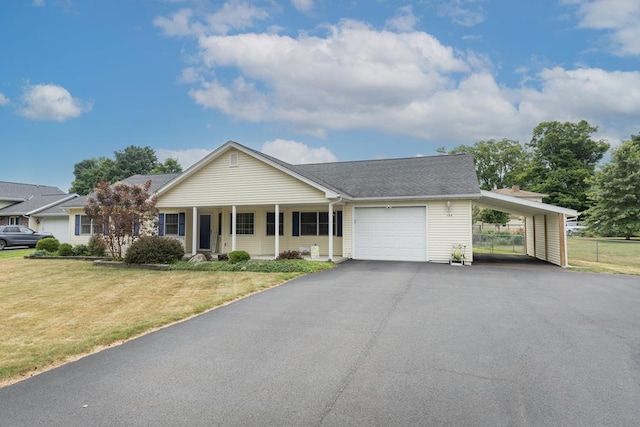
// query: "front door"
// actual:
[[205, 232]]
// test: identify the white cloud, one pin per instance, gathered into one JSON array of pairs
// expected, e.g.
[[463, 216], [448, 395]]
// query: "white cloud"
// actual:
[[305, 6], [405, 20], [4, 100], [232, 15], [186, 158], [356, 77], [51, 102], [462, 12], [620, 18], [297, 152]]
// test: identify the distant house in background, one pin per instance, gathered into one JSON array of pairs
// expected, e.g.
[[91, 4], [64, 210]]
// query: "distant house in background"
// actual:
[[35, 206], [515, 191], [516, 223]]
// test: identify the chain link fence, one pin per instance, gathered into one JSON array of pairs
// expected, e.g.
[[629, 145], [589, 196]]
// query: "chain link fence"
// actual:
[[499, 243], [607, 251]]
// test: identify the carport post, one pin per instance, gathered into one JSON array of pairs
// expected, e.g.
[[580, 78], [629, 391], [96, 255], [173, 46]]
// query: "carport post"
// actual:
[[331, 231]]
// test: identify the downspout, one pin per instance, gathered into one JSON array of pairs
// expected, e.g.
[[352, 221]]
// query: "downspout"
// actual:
[[339, 200]]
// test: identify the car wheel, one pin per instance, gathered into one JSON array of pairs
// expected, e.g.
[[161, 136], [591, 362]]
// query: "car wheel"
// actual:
[[570, 233], [3, 244]]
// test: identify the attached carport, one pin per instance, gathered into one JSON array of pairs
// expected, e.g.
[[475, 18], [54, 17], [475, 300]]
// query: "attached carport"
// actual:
[[544, 224]]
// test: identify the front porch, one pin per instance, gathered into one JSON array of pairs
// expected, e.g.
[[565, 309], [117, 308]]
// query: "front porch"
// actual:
[[264, 231]]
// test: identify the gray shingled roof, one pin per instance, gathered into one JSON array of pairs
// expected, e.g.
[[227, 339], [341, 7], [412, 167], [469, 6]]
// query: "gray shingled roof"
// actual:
[[15, 190], [409, 177], [390, 178], [33, 204]]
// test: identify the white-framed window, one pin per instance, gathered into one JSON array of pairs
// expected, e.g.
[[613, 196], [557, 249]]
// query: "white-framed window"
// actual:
[[86, 225], [171, 224], [15, 220], [271, 224], [244, 223]]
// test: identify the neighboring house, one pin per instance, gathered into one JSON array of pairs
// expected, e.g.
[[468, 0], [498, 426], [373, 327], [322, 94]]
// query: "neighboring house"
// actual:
[[411, 209], [516, 222], [35, 206]]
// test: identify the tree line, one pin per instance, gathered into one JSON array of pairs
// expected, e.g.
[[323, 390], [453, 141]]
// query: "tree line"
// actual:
[[563, 161], [133, 160]]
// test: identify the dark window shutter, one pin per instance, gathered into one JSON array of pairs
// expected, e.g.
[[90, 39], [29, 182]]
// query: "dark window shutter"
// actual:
[[220, 224], [181, 223], [105, 227], [136, 228], [161, 224], [339, 223], [295, 224], [77, 226]]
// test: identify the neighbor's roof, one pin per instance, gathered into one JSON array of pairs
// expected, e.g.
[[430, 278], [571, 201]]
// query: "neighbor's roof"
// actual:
[[517, 192], [36, 204], [157, 181], [18, 191]]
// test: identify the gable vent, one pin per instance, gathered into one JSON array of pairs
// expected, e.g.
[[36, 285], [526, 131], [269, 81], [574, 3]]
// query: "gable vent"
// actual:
[[233, 160]]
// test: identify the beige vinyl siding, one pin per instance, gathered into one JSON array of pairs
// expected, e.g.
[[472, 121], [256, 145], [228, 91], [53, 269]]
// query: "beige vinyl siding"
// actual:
[[448, 227], [4, 204], [82, 239], [540, 236], [530, 230], [252, 182], [347, 229], [553, 240], [261, 244]]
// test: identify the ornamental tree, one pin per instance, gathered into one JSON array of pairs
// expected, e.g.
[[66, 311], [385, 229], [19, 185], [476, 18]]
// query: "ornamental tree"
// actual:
[[121, 213], [616, 193]]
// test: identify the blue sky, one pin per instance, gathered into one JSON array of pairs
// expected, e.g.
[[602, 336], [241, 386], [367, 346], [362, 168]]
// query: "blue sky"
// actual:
[[304, 80]]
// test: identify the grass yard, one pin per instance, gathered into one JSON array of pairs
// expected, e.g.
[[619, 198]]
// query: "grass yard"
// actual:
[[605, 255], [56, 310]]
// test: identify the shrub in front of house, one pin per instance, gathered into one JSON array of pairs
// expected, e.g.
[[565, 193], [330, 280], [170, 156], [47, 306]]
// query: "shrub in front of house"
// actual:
[[289, 255], [154, 250], [97, 247], [81, 250], [65, 249], [49, 244], [238, 256]]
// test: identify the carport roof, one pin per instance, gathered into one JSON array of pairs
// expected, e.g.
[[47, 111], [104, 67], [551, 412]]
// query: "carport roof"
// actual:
[[519, 206]]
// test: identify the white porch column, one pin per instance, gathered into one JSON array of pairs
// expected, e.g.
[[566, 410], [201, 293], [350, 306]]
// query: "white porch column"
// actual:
[[194, 237], [330, 231], [234, 222], [277, 249]]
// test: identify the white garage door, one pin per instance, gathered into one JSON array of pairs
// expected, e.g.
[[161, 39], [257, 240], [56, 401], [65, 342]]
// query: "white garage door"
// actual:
[[58, 226], [395, 234]]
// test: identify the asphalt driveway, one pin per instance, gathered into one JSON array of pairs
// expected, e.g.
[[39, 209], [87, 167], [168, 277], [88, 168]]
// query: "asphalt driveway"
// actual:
[[371, 343]]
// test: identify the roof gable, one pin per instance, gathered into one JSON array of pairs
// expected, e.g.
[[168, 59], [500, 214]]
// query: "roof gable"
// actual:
[[271, 161]]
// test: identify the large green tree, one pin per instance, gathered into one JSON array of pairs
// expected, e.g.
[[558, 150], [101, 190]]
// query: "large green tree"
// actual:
[[499, 164], [132, 160], [564, 158], [616, 193]]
